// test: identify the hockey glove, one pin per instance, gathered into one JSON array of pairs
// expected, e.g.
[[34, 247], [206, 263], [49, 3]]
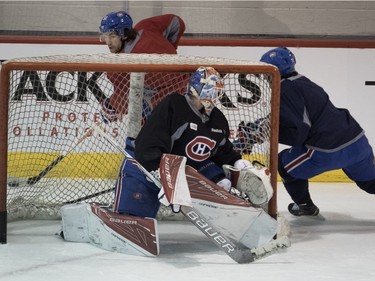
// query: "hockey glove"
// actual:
[[250, 134], [225, 183], [242, 164], [108, 113], [155, 174], [253, 181], [242, 143], [257, 131]]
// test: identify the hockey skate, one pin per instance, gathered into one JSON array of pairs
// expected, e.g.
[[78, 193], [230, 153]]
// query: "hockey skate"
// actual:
[[305, 209]]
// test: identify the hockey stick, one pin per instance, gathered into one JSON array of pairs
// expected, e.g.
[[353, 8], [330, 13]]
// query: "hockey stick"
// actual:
[[96, 194], [236, 251], [33, 180]]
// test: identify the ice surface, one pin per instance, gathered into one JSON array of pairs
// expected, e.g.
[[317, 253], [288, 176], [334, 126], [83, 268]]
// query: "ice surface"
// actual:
[[340, 247]]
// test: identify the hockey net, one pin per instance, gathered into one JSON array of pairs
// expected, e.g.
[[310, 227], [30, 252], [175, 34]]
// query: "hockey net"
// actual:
[[48, 105]]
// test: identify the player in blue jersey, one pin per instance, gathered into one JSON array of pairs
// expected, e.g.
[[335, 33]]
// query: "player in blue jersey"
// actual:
[[322, 137]]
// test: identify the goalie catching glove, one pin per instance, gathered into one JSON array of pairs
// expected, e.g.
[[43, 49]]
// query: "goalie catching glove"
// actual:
[[251, 180]]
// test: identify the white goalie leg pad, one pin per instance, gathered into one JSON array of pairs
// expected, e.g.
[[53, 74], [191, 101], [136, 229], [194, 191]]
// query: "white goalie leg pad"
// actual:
[[262, 231], [110, 231], [74, 223], [250, 226]]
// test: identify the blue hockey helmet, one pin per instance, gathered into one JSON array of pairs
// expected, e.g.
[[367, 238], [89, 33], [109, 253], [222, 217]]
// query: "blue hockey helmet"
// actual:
[[206, 84], [116, 22], [282, 58]]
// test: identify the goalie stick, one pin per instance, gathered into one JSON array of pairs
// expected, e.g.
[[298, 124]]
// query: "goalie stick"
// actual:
[[16, 182], [90, 196], [236, 251]]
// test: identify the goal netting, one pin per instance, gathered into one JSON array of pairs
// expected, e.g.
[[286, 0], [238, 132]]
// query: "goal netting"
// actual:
[[49, 155]]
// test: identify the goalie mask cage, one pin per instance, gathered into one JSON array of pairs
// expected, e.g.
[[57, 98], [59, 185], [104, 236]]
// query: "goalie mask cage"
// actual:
[[48, 154]]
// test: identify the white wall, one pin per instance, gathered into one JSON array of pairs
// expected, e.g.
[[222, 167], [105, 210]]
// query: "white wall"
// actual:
[[341, 72], [335, 18]]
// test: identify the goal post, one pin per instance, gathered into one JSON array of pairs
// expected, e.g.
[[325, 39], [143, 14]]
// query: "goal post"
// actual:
[[48, 105]]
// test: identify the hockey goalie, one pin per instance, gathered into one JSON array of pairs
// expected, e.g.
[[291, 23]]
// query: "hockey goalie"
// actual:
[[216, 185], [235, 217]]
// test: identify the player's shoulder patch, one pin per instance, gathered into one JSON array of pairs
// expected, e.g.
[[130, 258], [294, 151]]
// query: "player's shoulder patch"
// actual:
[[193, 126]]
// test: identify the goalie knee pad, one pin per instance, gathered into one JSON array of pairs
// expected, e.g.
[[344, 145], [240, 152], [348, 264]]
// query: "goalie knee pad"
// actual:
[[137, 197], [134, 194]]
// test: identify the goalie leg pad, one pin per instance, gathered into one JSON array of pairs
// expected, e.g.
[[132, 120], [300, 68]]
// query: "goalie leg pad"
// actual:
[[74, 223], [234, 216], [110, 231], [250, 226], [261, 232]]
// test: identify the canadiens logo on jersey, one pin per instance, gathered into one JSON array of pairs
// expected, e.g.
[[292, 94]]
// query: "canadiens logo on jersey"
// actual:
[[199, 149]]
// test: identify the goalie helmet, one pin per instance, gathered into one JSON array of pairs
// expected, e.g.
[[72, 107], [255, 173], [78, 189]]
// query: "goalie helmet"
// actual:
[[116, 22], [282, 58], [206, 84]]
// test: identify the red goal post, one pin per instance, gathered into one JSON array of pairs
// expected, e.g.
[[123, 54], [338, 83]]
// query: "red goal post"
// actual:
[[48, 154]]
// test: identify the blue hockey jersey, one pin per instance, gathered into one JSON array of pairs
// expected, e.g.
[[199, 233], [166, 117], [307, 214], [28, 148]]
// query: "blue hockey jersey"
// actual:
[[308, 117]]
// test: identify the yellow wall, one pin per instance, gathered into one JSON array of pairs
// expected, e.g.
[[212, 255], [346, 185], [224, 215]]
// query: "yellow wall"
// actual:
[[96, 165]]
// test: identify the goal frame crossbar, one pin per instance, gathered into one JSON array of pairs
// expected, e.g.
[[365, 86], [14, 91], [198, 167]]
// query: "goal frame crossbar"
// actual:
[[111, 67]]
